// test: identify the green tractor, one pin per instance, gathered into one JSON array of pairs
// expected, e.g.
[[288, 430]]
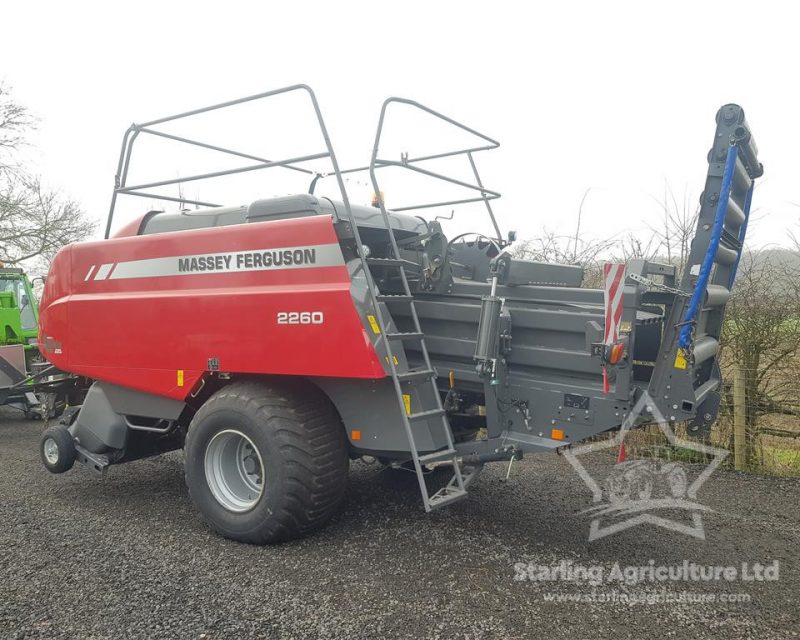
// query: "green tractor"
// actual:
[[19, 351]]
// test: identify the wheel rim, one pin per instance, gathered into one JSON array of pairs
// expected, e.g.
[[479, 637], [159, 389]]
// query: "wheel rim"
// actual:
[[234, 470], [50, 451]]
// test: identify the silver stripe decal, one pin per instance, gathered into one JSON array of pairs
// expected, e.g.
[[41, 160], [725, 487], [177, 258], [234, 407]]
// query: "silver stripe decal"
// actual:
[[103, 271], [89, 273], [304, 257]]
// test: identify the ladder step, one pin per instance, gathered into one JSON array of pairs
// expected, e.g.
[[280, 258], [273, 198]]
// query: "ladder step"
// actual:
[[409, 335], [423, 415], [445, 496], [416, 374], [391, 262], [436, 455], [401, 297]]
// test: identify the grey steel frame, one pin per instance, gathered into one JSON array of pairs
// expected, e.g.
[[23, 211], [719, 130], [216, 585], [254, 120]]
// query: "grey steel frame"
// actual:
[[486, 195], [123, 165]]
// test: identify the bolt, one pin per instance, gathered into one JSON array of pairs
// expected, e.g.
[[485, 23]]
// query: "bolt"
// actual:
[[674, 406], [707, 416]]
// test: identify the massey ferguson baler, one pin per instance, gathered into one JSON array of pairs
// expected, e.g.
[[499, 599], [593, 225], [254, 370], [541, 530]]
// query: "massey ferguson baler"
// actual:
[[276, 341]]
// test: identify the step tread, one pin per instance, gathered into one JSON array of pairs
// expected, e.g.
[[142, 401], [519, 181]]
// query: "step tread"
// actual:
[[416, 374], [405, 335], [394, 297], [391, 262], [446, 496], [422, 415], [436, 455]]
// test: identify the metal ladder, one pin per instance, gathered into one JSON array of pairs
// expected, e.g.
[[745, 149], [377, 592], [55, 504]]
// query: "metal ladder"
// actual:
[[432, 411]]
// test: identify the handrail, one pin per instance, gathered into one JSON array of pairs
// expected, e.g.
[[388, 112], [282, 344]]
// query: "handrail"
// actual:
[[133, 132], [407, 163]]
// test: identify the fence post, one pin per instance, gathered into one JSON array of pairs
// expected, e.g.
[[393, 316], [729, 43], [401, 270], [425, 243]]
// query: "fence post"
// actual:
[[739, 418]]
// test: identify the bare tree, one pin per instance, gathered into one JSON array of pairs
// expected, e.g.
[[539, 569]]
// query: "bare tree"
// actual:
[[762, 335], [15, 122], [668, 242], [561, 249], [633, 247], [678, 225], [34, 221]]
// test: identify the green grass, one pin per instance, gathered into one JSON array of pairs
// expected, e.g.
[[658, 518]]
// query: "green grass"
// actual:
[[781, 461]]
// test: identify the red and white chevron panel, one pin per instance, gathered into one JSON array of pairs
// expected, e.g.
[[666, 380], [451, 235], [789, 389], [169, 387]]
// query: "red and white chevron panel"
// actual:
[[613, 279]]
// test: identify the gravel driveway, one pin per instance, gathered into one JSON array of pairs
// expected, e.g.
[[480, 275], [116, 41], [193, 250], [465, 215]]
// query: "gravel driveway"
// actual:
[[127, 557]]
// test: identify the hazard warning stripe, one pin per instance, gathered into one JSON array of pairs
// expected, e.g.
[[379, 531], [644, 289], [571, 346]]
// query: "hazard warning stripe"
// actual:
[[613, 279]]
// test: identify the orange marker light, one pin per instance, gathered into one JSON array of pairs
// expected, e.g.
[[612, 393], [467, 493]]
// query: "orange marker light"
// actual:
[[617, 350], [557, 434], [355, 435]]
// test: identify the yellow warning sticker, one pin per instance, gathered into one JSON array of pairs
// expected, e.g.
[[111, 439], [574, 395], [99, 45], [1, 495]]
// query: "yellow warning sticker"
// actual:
[[407, 402], [680, 361], [396, 361], [180, 377], [374, 324], [625, 327]]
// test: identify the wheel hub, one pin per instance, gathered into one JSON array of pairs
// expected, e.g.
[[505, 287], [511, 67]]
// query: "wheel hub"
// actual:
[[51, 451], [234, 470]]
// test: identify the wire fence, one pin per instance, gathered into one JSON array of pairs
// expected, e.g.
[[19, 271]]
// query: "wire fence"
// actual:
[[761, 433]]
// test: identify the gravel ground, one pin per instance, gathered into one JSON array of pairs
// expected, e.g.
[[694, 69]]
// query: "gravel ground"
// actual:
[[127, 557]]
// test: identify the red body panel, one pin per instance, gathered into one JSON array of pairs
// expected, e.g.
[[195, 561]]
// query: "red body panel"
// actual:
[[98, 320]]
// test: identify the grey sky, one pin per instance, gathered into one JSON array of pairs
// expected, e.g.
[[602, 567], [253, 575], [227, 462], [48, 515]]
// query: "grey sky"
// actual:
[[615, 96]]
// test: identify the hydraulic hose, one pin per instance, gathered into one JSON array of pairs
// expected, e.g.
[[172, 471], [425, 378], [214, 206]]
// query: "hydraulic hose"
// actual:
[[685, 338]]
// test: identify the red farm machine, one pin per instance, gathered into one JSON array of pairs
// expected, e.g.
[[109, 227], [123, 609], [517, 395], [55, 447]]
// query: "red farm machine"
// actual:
[[365, 331]]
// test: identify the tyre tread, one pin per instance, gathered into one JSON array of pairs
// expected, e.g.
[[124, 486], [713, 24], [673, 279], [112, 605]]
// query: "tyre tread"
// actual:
[[313, 446]]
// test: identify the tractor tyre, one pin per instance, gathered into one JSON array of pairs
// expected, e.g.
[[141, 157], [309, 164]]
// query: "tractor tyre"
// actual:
[[57, 449], [266, 461]]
